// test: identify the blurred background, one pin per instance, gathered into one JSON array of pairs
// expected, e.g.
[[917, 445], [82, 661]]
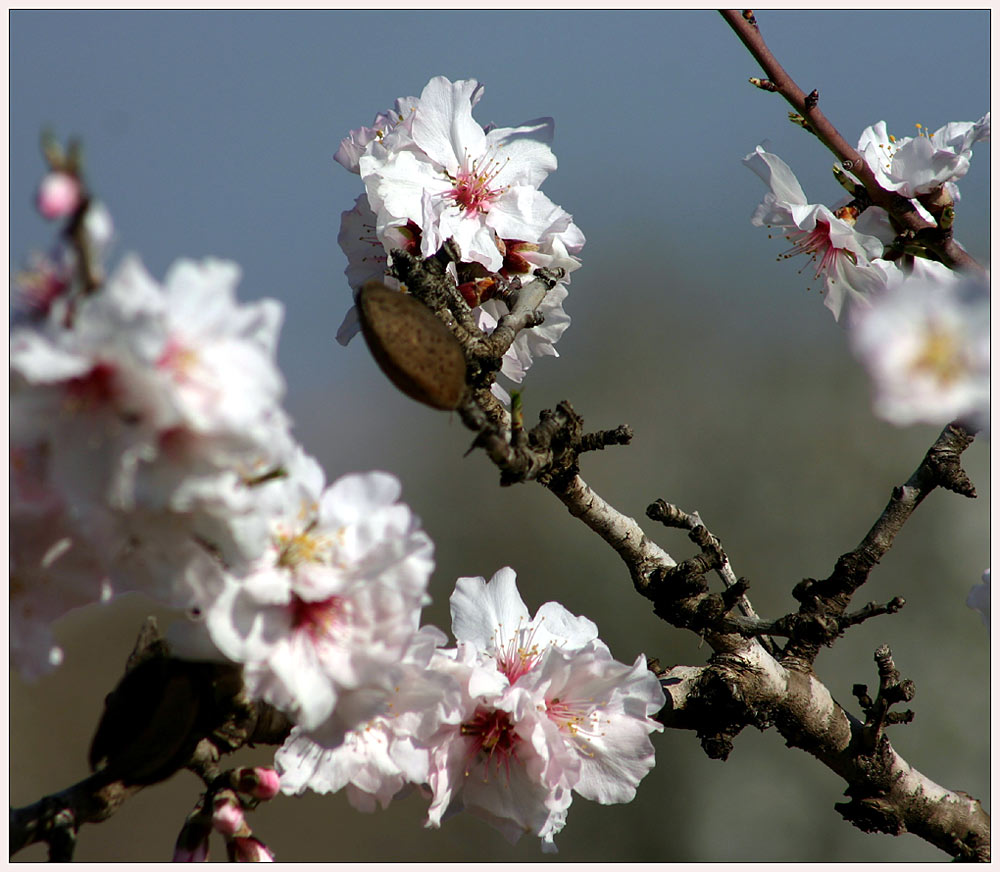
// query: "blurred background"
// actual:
[[213, 134]]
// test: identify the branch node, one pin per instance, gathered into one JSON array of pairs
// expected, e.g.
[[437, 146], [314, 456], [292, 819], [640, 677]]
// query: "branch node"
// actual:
[[669, 515], [732, 596], [600, 440], [800, 121], [890, 692], [803, 591]]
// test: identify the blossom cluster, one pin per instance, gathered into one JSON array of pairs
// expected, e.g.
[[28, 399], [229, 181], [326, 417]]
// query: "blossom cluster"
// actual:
[[921, 329], [508, 724], [432, 173], [150, 453]]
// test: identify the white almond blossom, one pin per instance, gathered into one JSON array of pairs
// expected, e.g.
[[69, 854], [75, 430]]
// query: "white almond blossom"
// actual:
[[58, 561], [545, 710], [155, 409], [383, 132], [432, 173], [925, 343], [461, 181], [916, 165], [842, 253], [367, 255], [387, 753], [323, 616]]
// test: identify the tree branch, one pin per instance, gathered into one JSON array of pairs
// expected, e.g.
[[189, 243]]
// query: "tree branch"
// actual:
[[887, 795], [165, 715], [937, 239], [827, 600], [743, 683]]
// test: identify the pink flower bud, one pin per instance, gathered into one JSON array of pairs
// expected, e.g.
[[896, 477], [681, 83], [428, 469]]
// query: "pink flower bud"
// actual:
[[227, 816], [260, 782], [196, 854], [249, 850], [192, 843], [59, 195]]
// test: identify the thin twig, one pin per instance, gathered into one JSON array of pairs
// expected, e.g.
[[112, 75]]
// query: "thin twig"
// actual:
[[937, 239], [829, 599]]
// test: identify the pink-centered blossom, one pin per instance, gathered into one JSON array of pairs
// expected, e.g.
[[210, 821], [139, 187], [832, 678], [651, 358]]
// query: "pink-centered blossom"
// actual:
[[320, 620], [842, 254], [545, 711], [432, 173], [461, 181]]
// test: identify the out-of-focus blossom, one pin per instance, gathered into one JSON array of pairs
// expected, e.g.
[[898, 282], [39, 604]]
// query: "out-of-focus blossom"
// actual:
[[59, 195], [925, 343], [156, 409], [45, 280], [979, 599], [59, 561], [323, 616]]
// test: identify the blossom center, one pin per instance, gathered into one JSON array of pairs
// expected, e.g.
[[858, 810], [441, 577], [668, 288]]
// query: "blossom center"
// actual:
[[939, 357], [474, 188], [178, 359], [316, 617], [518, 656], [92, 390], [294, 549], [579, 719], [816, 243], [889, 149], [492, 733]]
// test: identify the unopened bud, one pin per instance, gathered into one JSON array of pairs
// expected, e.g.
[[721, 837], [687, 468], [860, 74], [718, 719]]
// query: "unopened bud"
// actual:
[[192, 842], [227, 815], [99, 227], [800, 120], [59, 195], [260, 782], [249, 850]]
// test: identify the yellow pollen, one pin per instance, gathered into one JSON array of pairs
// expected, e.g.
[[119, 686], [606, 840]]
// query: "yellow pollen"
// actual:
[[847, 214], [301, 548], [939, 357]]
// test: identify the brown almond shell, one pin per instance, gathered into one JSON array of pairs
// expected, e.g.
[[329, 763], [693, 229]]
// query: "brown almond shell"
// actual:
[[411, 346]]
